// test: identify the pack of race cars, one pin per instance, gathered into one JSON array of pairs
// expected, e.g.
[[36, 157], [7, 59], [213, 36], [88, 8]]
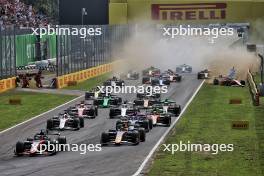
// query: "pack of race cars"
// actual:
[[133, 119]]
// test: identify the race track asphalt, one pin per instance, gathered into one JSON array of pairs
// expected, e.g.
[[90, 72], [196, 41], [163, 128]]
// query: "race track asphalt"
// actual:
[[111, 161]]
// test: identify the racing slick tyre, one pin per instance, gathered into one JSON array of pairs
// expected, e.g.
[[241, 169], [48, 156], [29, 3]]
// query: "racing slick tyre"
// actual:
[[54, 151], [135, 138], [96, 111], [243, 83], [145, 80], [199, 76], [145, 125], [178, 79], [19, 148], [62, 140], [104, 138], [76, 124], [81, 122], [168, 121], [49, 124], [112, 113], [216, 82], [96, 102], [142, 134], [150, 124]]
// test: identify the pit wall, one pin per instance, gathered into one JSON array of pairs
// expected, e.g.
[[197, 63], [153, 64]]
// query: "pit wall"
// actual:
[[7, 84], [190, 11], [80, 76]]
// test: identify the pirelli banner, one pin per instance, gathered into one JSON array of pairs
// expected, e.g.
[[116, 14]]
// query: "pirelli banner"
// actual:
[[62, 81], [176, 11], [7, 84]]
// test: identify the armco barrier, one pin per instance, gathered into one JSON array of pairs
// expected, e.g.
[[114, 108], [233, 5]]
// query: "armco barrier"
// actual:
[[7, 84], [62, 81], [253, 88]]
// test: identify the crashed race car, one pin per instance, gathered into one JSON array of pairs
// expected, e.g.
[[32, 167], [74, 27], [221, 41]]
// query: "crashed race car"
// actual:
[[131, 75], [151, 71], [124, 110], [138, 120], [123, 135], [65, 121], [108, 101], [204, 74], [32, 146], [84, 110], [114, 82], [229, 80], [184, 69]]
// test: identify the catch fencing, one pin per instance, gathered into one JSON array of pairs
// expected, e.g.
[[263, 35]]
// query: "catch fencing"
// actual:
[[7, 52], [75, 53]]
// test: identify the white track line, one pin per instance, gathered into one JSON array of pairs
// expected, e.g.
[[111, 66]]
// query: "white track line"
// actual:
[[141, 167], [1, 132]]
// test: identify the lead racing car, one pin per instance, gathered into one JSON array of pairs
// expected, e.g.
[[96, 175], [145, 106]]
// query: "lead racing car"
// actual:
[[32, 146]]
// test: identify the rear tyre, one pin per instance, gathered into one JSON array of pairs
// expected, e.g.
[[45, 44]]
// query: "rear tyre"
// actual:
[[142, 134], [150, 124], [19, 148], [49, 124], [216, 82], [62, 140], [81, 122], [104, 138]]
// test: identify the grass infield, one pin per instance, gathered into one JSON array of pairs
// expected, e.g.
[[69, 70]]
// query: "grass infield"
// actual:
[[208, 120], [32, 104]]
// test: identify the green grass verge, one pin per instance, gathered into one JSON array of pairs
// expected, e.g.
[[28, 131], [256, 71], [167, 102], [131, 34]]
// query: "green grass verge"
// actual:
[[32, 104], [208, 120], [90, 83]]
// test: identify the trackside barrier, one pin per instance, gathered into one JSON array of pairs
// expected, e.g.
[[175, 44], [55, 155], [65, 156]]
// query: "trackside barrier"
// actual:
[[62, 81], [253, 88], [7, 84]]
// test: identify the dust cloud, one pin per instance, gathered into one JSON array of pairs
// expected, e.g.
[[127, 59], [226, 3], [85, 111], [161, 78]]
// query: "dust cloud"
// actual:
[[148, 47]]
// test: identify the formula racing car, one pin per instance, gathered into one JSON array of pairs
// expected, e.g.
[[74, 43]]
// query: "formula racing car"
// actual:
[[124, 110], [84, 110], [123, 135], [114, 82], [131, 75], [108, 101], [32, 146], [151, 71], [204, 74], [184, 69], [65, 121]]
